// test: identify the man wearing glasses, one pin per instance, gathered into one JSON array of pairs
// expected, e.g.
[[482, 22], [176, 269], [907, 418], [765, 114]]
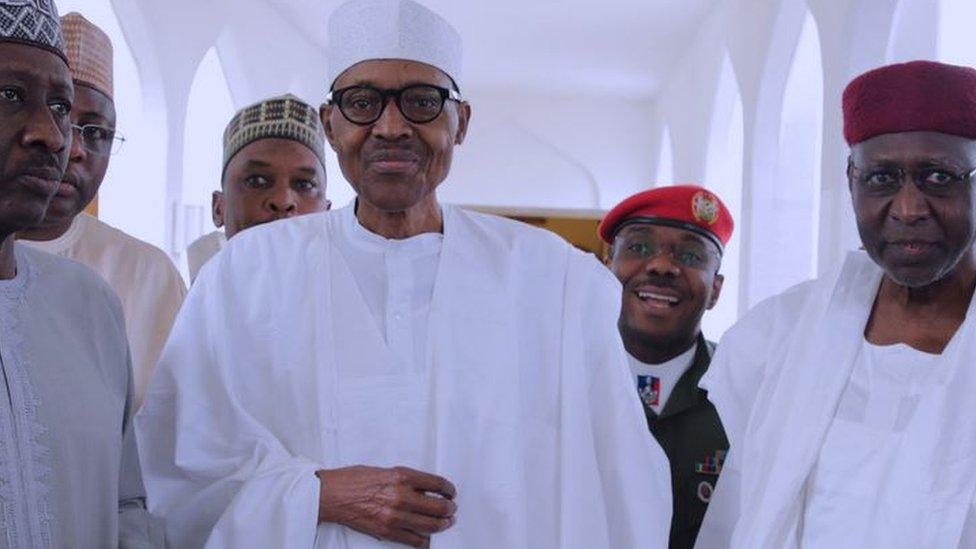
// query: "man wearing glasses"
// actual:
[[400, 370], [848, 399], [148, 285], [666, 248]]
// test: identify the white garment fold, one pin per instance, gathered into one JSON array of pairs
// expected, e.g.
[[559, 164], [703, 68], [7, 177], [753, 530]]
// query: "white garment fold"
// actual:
[[276, 368], [777, 379]]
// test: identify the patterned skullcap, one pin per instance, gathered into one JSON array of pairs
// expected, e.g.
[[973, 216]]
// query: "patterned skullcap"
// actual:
[[283, 117], [89, 52], [33, 22], [363, 30]]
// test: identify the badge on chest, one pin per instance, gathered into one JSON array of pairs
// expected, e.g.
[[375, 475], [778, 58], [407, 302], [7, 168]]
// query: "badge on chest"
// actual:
[[649, 389], [712, 464]]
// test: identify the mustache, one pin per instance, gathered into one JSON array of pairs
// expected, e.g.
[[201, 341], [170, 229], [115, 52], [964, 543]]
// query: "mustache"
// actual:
[[926, 236], [71, 179], [45, 167], [404, 151], [656, 280]]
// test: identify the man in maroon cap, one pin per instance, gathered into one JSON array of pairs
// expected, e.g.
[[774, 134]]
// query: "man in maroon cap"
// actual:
[[666, 248], [847, 400]]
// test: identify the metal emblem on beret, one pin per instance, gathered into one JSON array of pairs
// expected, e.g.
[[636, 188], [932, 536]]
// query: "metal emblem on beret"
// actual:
[[704, 206]]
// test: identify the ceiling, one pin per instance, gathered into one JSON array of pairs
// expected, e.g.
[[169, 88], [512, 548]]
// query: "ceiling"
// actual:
[[624, 48]]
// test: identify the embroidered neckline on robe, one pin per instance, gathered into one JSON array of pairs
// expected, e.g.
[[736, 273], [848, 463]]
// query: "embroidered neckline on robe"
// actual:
[[24, 460]]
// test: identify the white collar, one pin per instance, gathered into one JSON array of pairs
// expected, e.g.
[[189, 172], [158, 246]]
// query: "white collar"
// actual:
[[366, 239]]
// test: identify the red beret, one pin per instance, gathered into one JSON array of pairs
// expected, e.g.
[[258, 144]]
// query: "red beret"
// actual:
[[910, 97], [688, 207]]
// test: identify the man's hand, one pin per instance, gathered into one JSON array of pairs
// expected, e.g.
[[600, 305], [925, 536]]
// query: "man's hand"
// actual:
[[398, 504]]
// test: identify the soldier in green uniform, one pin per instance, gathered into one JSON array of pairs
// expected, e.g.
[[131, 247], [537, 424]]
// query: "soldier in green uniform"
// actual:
[[666, 248]]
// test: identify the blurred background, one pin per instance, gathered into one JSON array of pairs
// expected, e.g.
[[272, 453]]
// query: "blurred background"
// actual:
[[576, 105]]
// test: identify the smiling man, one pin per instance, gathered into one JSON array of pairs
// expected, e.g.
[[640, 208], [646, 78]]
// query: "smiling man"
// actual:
[[848, 400], [274, 168], [401, 370], [666, 247], [146, 281]]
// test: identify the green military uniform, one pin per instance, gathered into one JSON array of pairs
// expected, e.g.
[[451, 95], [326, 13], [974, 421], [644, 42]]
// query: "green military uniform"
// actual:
[[691, 434]]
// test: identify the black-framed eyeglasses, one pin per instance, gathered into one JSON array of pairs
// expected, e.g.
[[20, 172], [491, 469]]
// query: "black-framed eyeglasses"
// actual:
[[695, 255], [418, 103], [99, 139], [931, 179]]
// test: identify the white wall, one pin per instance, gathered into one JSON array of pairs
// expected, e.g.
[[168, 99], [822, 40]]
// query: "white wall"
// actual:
[[524, 148], [723, 175], [954, 41], [552, 152], [260, 53], [750, 108], [134, 185], [791, 59], [209, 108]]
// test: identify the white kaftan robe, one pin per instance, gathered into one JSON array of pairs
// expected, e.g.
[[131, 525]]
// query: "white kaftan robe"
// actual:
[[280, 365], [814, 430]]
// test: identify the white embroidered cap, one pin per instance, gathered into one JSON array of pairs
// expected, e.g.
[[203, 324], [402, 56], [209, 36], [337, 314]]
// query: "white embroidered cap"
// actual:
[[363, 30]]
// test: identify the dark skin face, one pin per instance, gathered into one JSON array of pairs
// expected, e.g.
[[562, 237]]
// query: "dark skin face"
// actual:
[[86, 170], [921, 237], [663, 299], [395, 165], [269, 179], [916, 237], [36, 94]]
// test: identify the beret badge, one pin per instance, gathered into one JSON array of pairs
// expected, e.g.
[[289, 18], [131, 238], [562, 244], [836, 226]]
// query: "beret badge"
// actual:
[[704, 206]]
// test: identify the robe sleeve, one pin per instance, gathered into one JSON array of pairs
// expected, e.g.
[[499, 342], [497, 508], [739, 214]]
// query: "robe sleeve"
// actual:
[[968, 536], [633, 470], [733, 379], [156, 312], [216, 475], [137, 528], [732, 382]]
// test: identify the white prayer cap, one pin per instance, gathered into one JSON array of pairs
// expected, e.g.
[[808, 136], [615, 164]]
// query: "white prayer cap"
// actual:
[[362, 30]]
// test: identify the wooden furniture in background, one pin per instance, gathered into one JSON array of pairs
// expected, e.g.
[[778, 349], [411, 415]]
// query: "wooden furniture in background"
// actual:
[[576, 226], [92, 208]]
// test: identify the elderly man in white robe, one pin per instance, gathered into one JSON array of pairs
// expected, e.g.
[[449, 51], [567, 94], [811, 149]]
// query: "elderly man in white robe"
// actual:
[[400, 371], [69, 473], [848, 400]]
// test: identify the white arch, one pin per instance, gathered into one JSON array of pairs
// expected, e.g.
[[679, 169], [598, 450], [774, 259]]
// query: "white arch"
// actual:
[[665, 159], [854, 37], [796, 205], [914, 31], [209, 109], [723, 175], [955, 44]]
